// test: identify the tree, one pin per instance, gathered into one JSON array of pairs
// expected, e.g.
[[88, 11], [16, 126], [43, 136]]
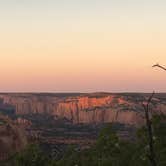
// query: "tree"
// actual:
[[31, 156], [151, 155]]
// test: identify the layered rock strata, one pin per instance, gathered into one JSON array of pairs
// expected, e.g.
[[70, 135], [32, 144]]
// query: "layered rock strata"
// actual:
[[80, 109]]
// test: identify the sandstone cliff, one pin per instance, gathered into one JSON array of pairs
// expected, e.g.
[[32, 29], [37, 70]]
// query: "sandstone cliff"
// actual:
[[89, 108]]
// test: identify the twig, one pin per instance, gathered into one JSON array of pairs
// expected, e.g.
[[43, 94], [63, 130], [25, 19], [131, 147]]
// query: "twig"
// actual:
[[152, 156], [157, 65]]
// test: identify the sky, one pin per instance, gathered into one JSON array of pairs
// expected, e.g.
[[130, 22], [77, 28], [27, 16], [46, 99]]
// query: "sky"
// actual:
[[82, 45]]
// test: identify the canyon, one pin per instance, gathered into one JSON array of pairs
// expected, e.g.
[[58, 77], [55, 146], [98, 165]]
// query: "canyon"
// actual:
[[59, 120]]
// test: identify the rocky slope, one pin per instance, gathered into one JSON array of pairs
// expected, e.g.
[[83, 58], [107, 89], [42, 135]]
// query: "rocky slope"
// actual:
[[85, 108], [12, 138]]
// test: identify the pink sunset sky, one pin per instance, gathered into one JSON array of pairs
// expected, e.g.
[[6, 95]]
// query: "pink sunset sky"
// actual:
[[82, 46]]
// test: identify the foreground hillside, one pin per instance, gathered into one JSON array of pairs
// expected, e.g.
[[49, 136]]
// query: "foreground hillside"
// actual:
[[12, 138]]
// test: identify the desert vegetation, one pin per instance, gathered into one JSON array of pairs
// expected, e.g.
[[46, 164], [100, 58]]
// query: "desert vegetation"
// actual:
[[109, 150]]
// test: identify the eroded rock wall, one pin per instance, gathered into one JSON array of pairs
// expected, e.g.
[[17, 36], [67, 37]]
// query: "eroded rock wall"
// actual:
[[79, 109]]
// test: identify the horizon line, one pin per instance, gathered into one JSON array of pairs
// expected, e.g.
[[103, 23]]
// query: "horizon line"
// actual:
[[75, 92]]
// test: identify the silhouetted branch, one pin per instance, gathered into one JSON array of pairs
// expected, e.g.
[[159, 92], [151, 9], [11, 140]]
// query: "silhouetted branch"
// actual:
[[152, 156], [157, 65]]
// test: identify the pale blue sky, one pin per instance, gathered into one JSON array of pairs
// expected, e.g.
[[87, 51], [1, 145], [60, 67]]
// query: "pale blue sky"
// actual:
[[138, 7], [56, 12]]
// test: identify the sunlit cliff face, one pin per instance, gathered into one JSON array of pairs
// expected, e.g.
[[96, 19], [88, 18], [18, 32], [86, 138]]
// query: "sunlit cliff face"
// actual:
[[87, 108], [90, 108]]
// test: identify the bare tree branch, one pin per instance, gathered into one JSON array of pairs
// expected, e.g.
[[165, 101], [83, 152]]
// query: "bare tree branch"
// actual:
[[152, 156], [157, 65]]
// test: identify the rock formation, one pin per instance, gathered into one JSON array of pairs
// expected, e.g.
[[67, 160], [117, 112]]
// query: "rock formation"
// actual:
[[86, 108]]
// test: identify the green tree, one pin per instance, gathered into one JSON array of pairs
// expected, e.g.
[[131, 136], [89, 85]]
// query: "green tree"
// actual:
[[32, 156]]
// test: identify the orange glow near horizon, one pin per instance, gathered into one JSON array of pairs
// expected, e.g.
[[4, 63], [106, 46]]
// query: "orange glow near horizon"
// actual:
[[83, 52]]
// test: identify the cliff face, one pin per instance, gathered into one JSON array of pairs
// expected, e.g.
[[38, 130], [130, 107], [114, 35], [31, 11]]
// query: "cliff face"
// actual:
[[96, 110], [79, 109], [28, 103]]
